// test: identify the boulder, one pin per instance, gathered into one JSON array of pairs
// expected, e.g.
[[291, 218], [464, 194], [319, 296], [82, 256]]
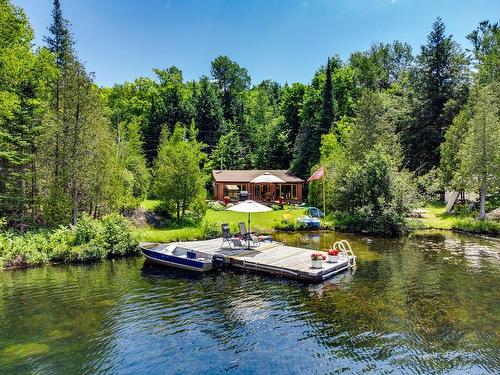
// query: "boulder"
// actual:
[[494, 215]]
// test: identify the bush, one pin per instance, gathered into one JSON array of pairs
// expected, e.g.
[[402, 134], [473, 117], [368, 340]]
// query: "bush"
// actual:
[[276, 207], [372, 197], [216, 206], [86, 230], [117, 237], [198, 208], [384, 223], [19, 251], [61, 243], [210, 230], [289, 225], [90, 240]]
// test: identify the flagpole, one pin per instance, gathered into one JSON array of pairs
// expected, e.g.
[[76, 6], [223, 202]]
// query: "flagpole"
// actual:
[[324, 196]]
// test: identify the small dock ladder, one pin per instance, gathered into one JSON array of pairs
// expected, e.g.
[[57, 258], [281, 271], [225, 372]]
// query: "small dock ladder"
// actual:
[[346, 249]]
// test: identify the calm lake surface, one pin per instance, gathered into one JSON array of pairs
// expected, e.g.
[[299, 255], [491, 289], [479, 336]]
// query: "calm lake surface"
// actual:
[[426, 304]]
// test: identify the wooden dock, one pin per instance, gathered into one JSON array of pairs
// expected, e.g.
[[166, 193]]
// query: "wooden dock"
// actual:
[[274, 258]]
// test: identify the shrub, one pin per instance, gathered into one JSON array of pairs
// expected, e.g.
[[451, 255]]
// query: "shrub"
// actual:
[[61, 244], [86, 230], [216, 206], [210, 230], [29, 249], [289, 225], [117, 237], [92, 251], [276, 207], [198, 208], [384, 223], [90, 240]]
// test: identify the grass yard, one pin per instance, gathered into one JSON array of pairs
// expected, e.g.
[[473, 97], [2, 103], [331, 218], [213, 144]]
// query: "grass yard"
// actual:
[[262, 222], [437, 218]]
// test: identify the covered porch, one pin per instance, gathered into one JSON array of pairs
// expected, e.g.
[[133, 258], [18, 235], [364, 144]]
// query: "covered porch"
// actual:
[[261, 186]]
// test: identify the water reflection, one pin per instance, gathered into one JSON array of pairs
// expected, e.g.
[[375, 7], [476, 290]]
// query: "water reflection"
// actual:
[[424, 304]]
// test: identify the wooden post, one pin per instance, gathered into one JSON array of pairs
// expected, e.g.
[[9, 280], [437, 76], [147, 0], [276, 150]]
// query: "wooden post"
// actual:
[[324, 197]]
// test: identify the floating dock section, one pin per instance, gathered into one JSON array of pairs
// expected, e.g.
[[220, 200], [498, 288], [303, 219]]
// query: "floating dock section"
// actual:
[[274, 258]]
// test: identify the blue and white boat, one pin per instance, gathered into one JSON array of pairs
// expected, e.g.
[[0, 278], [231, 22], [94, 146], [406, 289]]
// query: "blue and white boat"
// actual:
[[309, 222], [176, 256]]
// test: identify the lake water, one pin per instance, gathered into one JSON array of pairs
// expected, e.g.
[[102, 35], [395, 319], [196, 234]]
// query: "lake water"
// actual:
[[426, 304]]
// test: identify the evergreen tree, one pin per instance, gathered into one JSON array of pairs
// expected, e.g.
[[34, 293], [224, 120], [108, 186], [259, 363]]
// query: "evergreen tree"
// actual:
[[441, 84], [486, 48], [24, 94], [315, 116], [232, 81], [229, 152], [326, 119], [291, 105], [59, 41], [209, 114]]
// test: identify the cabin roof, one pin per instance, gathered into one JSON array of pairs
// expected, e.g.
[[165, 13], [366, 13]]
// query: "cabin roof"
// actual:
[[247, 175]]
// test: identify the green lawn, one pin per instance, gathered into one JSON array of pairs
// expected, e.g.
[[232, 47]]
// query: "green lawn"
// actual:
[[262, 222], [437, 218]]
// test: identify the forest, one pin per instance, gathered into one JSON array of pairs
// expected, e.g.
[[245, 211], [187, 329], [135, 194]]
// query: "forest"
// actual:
[[392, 127]]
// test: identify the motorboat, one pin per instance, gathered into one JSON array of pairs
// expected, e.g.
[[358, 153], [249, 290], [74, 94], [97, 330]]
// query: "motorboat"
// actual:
[[177, 256], [309, 222]]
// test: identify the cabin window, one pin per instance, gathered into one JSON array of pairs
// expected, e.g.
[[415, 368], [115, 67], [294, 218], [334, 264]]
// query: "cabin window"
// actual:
[[231, 191], [261, 190], [288, 191]]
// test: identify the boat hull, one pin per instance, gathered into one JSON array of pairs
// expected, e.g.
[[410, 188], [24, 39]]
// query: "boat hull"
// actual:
[[176, 262]]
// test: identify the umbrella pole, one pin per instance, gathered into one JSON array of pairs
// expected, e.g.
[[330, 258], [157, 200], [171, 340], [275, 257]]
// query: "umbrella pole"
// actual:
[[249, 230]]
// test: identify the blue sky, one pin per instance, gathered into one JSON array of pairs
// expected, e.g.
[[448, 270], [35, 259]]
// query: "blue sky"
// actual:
[[284, 40]]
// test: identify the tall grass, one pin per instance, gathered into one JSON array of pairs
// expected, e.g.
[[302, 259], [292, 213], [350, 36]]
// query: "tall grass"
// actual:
[[469, 225]]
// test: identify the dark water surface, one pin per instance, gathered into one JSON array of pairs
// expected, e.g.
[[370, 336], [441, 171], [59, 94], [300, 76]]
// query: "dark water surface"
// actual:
[[427, 304]]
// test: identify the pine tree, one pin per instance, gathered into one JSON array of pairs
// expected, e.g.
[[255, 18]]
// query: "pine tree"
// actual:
[[228, 154], [441, 85], [208, 113], [24, 77], [326, 120], [291, 105], [60, 41], [232, 80]]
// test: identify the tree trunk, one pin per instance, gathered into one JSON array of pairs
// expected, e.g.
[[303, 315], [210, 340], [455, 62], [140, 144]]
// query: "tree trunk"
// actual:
[[74, 210], [183, 212], [56, 149], [178, 213], [74, 189], [33, 185], [482, 200]]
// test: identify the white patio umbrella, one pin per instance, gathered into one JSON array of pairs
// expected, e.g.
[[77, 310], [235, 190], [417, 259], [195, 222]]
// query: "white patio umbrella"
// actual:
[[249, 206], [267, 178]]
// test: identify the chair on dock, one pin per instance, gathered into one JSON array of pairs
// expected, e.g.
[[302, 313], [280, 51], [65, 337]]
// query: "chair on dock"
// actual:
[[226, 234], [228, 239], [248, 236]]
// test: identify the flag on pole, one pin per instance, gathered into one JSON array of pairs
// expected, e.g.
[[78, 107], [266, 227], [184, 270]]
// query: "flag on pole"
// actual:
[[317, 175]]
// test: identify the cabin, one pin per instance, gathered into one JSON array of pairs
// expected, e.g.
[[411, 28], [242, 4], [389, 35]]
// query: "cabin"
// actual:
[[266, 186]]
